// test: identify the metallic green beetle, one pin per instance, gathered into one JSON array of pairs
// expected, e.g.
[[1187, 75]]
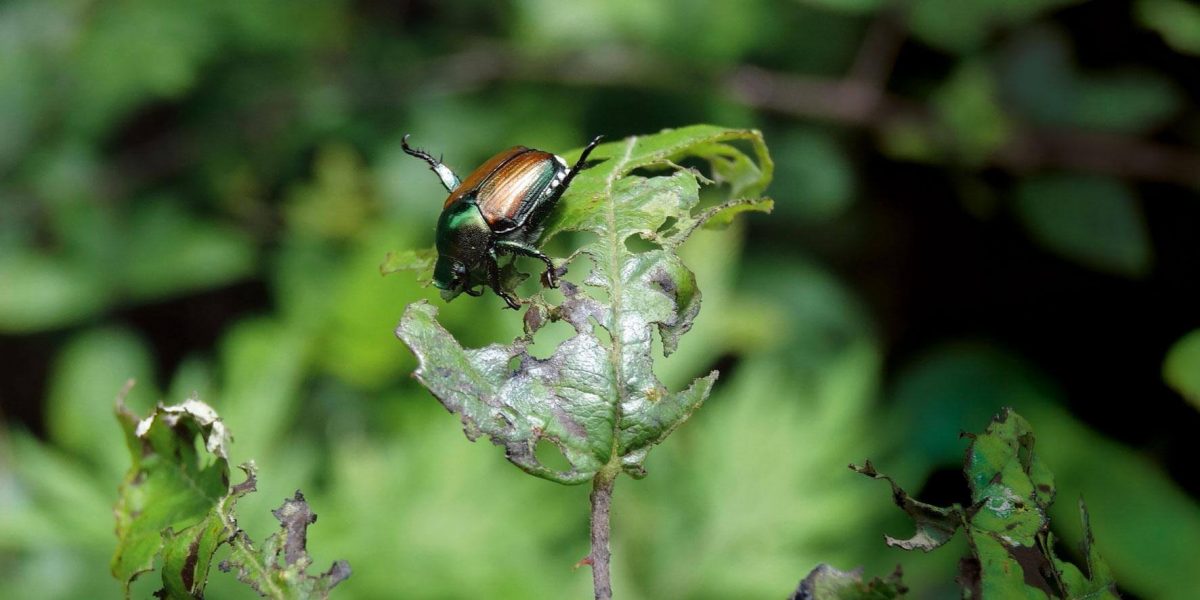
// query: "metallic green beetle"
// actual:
[[499, 208]]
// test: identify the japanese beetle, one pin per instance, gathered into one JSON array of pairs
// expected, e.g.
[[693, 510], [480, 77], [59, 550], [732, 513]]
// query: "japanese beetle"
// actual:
[[499, 208]]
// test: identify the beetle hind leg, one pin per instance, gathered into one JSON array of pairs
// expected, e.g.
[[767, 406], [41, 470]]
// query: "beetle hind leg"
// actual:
[[449, 180]]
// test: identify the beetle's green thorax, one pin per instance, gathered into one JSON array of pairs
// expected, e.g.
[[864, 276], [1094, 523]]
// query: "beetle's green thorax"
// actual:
[[463, 241]]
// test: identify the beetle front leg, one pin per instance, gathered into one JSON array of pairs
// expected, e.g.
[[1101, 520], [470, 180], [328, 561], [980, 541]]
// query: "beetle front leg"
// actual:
[[449, 179], [518, 248], [494, 281]]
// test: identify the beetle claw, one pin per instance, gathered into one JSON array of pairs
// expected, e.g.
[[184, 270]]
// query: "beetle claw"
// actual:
[[510, 301]]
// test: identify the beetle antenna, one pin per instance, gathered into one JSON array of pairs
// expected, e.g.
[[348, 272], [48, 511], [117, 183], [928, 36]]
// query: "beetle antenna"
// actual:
[[579, 163], [449, 179]]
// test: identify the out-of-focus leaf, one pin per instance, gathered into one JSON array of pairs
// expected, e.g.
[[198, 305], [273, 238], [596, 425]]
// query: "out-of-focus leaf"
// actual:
[[1181, 369], [1040, 81], [1128, 101], [597, 400], [731, 29], [41, 292], [87, 375], [828, 583], [1094, 221], [1177, 21], [339, 201], [420, 260], [965, 26], [847, 6], [820, 182], [967, 106], [111, 65], [262, 365], [168, 252], [1007, 524]]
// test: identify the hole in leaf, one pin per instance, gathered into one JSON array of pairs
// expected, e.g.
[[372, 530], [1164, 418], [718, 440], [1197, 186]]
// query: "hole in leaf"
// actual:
[[637, 244], [547, 339], [601, 334], [667, 224], [514, 363], [550, 456], [944, 487]]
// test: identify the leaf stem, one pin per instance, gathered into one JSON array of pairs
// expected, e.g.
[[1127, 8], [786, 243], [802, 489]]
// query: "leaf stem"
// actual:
[[602, 487]]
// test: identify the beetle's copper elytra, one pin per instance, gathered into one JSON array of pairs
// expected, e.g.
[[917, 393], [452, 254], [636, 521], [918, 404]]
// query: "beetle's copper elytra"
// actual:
[[498, 208]]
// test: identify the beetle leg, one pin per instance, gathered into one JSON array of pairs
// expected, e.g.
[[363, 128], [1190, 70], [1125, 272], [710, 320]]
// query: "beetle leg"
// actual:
[[494, 280], [579, 163], [471, 292], [449, 179], [518, 248]]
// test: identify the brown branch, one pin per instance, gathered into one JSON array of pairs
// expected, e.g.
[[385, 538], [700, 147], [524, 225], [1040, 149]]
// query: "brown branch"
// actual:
[[602, 487], [1027, 149]]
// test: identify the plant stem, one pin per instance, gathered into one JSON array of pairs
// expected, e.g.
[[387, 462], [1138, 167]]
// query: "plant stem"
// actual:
[[602, 487]]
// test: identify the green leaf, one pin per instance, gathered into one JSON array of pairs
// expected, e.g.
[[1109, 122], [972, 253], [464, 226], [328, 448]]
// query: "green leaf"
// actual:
[[1041, 81], [596, 398], [828, 583], [1177, 21], [967, 106], [169, 497], [86, 372], [1094, 221], [965, 26], [1181, 369], [421, 261], [1098, 582], [42, 292], [176, 507], [1007, 523], [169, 252]]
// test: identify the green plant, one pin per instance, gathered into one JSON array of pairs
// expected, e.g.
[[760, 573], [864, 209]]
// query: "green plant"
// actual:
[[596, 398], [1012, 549], [176, 507]]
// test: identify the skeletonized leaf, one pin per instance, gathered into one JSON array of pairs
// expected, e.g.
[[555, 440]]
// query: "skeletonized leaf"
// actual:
[[828, 583], [278, 569], [596, 398]]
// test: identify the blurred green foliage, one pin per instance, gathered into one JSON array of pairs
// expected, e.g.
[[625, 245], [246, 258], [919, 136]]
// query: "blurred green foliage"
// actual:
[[198, 195]]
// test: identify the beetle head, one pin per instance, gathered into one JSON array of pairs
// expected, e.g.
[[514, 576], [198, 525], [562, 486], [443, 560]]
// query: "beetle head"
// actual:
[[450, 275]]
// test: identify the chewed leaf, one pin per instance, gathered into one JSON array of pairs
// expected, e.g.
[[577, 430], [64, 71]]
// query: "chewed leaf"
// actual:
[[935, 525], [596, 398], [828, 583], [176, 506], [279, 568], [168, 498], [1007, 524], [420, 261]]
